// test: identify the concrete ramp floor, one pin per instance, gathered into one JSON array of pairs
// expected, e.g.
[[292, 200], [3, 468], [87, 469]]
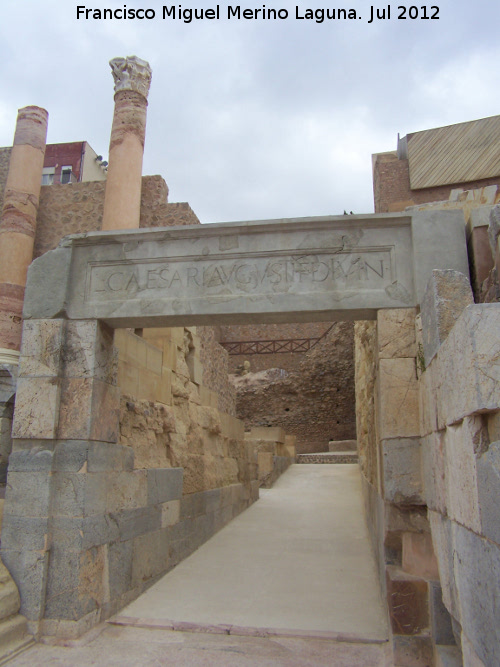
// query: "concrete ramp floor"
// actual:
[[296, 563]]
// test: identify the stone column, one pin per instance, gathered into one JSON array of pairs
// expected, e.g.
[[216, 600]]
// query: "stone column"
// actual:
[[122, 202], [18, 223]]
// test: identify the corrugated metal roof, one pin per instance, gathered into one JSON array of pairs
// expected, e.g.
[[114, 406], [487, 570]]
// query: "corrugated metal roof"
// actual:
[[455, 154]]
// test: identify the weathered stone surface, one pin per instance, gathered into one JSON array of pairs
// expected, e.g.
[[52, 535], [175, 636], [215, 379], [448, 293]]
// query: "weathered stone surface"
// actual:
[[396, 333], [402, 470], [442, 538], [29, 570], [441, 627], [447, 294], [318, 256], [469, 365], [488, 487], [412, 651], [434, 471], [398, 415], [164, 485], [478, 573], [46, 288], [41, 348], [463, 442], [432, 231], [407, 597], [419, 557], [37, 408], [9, 595]]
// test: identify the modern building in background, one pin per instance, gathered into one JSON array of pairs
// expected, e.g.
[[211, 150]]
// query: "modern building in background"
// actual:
[[438, 164], [72, 162]]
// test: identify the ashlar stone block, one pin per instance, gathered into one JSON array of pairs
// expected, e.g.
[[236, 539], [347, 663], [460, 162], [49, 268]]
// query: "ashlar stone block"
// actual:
[[41, 348], [478, 576], [37, 408], [462, 498], [469, 365], [396, 333], [402, 471], [488, 486], [448, 293], [398, 399]]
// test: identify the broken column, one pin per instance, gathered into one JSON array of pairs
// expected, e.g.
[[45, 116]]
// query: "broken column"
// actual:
[[18, 223], [122, 202]]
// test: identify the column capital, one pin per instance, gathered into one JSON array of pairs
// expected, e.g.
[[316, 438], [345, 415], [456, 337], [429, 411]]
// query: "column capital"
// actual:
[[131, 73]]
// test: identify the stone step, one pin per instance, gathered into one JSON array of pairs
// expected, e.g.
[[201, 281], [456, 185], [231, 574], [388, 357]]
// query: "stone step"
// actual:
[[328, 457], [14, 637]]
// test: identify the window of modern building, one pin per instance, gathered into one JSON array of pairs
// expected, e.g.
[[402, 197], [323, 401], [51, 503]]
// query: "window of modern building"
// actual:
[[48, 175]]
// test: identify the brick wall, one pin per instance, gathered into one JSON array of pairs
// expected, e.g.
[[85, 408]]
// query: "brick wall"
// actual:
[[391, 185]]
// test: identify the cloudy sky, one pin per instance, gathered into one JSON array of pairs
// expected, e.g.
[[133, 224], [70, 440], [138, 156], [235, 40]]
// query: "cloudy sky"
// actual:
[[253, 119]]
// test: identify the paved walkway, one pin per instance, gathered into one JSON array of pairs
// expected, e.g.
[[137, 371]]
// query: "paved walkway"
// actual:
[[296, 567]]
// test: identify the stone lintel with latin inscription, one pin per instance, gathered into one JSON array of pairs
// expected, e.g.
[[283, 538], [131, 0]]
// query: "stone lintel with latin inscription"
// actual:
[[266, 271]]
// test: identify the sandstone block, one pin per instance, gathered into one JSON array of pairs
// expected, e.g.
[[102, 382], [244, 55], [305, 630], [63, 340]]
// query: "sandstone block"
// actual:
[[402, 470], [442, 538], [41, 348], [274, 433], [407, 597], [37, 408], [434, 471], [488, 487], [469, 365], [446, 296], [419, 557], [265, 463], [128, 378], [89, 352], [148, 387], [195, 369], [89, 410], [461, 475], [398, 401], [477, 571], [154, 359], [396, 333]]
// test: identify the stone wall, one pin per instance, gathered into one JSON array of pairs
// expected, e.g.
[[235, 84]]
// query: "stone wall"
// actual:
[[460, 424], [274, 450], [170, 419], [75, 208], [314, 401]]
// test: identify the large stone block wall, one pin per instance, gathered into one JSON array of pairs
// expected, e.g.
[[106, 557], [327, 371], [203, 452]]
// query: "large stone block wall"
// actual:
[[170, 419], [96, 510], [314, 402], [460, 423], [388, 411]]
